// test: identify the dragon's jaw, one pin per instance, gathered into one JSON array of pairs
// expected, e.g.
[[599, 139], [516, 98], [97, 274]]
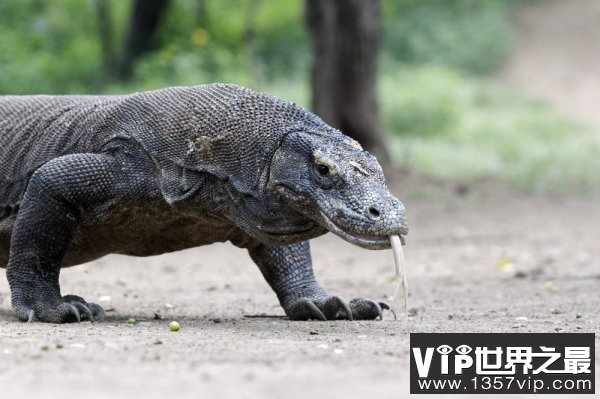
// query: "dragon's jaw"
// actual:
[[395, 225], [361, 240]]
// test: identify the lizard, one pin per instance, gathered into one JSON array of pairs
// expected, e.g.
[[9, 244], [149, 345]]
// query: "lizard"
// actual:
[[160, 171]]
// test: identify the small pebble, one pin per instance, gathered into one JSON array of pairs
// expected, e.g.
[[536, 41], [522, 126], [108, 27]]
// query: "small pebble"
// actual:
[[338, 351], [174, 326], [549, 286], [131, 320], [313, 333], [521, 318]]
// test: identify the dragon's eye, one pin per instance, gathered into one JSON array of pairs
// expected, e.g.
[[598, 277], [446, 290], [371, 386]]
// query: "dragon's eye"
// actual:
[[323, 170]]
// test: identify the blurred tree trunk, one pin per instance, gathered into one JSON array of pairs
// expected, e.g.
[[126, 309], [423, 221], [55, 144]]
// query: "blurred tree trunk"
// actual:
[[200, 13], [105, 32], [345, 42], [250, 21], [145, 17]]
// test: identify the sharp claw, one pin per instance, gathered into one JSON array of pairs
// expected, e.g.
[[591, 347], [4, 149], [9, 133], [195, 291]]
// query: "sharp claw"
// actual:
[[380, 307], [82, 308], [315, 312], [99, 310], [379, 312], [30, 314], [346, 309], [74, 311]]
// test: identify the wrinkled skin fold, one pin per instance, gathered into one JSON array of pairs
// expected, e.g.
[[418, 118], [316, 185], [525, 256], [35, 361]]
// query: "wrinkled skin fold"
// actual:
[[161, 171]]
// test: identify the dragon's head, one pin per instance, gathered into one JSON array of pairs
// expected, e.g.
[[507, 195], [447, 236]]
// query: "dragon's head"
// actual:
[[327, 177], [278, 172]]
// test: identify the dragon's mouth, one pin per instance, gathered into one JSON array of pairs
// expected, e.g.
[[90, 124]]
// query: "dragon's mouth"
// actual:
[[362, 240], [290, 231]]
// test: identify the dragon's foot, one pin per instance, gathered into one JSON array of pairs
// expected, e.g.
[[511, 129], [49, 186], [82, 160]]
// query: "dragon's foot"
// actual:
[[335, 308], [88, 311], [366, 309], [68, 309]]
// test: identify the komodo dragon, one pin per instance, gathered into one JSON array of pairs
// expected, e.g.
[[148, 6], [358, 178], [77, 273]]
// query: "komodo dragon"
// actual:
[[164, 170]]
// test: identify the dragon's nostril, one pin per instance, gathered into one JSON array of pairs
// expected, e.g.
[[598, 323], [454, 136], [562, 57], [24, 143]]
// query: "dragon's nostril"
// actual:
[[374, 212]]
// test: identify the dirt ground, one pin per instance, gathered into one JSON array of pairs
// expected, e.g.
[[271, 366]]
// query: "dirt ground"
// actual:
[[453, 250]]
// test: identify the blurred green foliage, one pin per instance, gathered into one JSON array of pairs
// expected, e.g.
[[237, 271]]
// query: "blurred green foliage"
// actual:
[[472, 35], [43, 50], [471, 129], [247, 42], [420, 101], [54, 47], [446, 119]]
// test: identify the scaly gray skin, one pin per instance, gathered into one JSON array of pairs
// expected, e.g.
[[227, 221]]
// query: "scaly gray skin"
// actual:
[[160, 171]]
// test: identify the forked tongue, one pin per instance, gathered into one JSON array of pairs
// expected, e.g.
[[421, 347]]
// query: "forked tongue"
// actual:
[[400, 274]]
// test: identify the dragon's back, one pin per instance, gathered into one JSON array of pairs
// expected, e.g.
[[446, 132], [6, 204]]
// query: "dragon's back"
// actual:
[[222, 129], [37, 129]]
